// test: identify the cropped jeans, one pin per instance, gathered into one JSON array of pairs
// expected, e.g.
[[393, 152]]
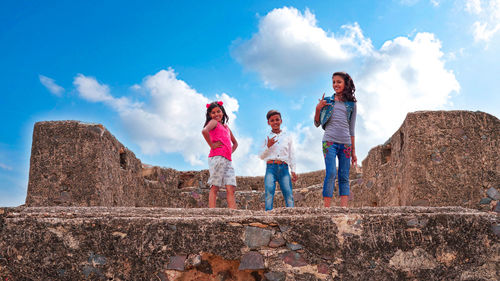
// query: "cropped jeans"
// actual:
[[278, 172], [341, 151]]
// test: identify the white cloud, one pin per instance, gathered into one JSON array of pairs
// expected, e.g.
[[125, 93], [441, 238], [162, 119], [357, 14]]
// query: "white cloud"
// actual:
[[435, 3], [487, 24], [473, 6], [405, 75], [246, 162], [483, 31], [171, 120], [51, 85], [5, 167], [290, 47], [91, 90], [308, 151], [135, 87]]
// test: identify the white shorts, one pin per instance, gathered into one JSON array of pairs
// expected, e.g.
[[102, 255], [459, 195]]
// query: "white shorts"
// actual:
[[221, 171]]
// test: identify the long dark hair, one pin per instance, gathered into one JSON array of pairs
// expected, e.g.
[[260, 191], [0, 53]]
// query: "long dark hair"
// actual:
[[349, 88], [213, 105]]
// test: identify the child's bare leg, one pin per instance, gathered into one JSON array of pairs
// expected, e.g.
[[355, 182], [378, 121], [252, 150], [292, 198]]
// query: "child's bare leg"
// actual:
[[212, 196], [343, 200], [327, 201], [231, 201]]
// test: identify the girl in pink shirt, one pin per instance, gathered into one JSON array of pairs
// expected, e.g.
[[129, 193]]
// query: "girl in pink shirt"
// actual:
[[222, 144]]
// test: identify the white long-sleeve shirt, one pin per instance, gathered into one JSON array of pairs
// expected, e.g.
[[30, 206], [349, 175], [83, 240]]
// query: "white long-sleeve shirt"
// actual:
[[281, 150]]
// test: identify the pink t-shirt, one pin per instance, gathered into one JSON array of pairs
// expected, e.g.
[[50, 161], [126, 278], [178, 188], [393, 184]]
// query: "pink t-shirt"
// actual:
[[221, 133]]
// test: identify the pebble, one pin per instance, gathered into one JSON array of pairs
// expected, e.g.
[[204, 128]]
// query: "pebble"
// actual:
[[177, 263], [323, 268], [294, 246], [120, 234], [284, 228], [278, 242], [293, 258], [485, 201], [493, 193], [193, 261]]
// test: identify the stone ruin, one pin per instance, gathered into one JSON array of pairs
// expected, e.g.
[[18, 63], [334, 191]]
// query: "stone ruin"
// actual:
[[436, 158], [426, 207]]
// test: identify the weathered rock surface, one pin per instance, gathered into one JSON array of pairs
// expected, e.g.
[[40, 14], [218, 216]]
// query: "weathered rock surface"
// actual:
[[119, 243], [436, 158]]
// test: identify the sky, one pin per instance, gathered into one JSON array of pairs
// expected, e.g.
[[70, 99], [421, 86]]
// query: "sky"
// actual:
[[146, 69]]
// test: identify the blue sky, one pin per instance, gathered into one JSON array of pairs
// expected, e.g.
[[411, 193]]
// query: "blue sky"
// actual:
[[145, 70]]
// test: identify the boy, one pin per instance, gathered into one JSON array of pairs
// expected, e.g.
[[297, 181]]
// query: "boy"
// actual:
[[278, 154]]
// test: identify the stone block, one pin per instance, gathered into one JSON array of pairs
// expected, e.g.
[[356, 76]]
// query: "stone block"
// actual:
[[177, 263], [256, 237], [252, 260]]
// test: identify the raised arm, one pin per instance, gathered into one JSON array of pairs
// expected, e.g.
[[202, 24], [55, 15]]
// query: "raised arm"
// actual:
[[206, 134], [321, 103]]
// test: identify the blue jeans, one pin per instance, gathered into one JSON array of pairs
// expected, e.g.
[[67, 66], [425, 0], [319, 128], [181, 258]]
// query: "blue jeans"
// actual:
[[278, 172], [343, 153]]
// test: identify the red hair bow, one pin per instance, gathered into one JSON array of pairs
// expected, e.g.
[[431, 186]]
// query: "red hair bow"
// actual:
[[220, 103]]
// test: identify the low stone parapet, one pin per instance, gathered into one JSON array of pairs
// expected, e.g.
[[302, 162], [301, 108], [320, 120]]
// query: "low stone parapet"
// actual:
[[120, 243], [246, 199]]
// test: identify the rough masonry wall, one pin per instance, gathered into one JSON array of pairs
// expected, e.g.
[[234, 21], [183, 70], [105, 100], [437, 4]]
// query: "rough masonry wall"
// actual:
[[99, 243], [77, 164], [436, 158]]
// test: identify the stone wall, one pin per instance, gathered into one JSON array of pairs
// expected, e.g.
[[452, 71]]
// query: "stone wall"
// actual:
[[436, 158], [77, 164], [102, 243]]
